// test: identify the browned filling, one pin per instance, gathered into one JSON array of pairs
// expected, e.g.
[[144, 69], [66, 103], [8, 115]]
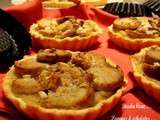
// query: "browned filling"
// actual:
[[136, 27], [74, 1], [62, 79], [151, 65], [63, 27]]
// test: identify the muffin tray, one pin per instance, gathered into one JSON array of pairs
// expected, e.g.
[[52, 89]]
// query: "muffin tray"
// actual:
[[135, 104], [127, 9]]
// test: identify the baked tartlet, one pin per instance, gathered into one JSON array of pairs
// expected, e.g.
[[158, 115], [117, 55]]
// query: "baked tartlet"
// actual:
[[65, 33], [134, 33], [64, 85], [70, 3], [146, 69]]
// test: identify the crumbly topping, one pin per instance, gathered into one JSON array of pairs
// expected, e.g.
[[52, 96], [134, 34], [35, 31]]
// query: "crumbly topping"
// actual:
[[151, 63], [68, 83], [65, 27], [138, 27]]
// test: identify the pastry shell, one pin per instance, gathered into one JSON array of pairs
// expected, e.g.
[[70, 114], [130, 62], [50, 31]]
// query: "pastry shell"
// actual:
[[36, 112], [67, 4], [55, 4], [68, 43], [129, 43], [147, 83], [95, 2]]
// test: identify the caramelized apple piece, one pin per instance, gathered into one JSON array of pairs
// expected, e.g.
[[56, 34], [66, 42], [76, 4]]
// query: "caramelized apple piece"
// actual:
[[26, 85], [28, 66], [126, 23], [152, 71], [106, 77], [87, 60], [151, 56], [138, 34], [53, 56], [70, 97]]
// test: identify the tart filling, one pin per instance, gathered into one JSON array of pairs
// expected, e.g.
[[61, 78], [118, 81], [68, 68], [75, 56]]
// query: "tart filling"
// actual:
[[70, 3], [138, 27], [49, 81], [146, 67], [63, 29], [130, 31], [58, 3]]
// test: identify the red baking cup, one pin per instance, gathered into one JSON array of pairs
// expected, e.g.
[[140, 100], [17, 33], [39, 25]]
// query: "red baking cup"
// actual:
[[26, 13]]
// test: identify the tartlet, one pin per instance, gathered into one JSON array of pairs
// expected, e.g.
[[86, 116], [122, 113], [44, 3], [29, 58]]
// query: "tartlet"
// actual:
[[134, 33], [66, 85], [70, 3], [146, 70], [65, 33]]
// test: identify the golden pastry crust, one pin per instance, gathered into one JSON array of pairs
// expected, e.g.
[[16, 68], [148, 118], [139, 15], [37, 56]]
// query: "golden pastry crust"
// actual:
[[149, 84], [69, 3], [94, 2], [65, 33], [57, 4], [135, 33], [101, 105]]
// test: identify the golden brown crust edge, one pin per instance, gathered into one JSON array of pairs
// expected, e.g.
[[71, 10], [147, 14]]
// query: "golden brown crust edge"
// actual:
[[95, 2], [76, 44], [36, 112], [52, 4], [131, 44], [68, 43], [150, 87]]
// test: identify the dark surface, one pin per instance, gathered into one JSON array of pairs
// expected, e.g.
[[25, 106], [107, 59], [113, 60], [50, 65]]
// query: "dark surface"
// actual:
[[8, 48], [18, 34], [154, 5], [127, 9]]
